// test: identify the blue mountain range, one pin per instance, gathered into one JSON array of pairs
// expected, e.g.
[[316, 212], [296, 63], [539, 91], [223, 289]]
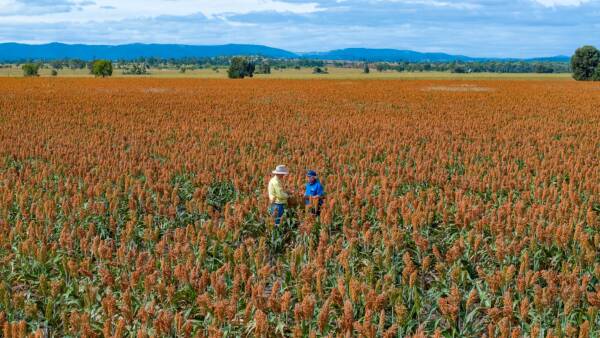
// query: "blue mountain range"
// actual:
[[52, 51]]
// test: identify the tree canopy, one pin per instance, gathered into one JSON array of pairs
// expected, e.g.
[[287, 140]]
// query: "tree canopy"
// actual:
[[585, 64], [102, 68], [240, 67]]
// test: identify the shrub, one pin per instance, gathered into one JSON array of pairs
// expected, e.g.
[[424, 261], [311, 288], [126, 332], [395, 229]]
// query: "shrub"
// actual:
[[30, 69]]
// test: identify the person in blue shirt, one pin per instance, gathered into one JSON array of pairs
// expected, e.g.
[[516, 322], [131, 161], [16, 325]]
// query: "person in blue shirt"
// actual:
[[314, 193]]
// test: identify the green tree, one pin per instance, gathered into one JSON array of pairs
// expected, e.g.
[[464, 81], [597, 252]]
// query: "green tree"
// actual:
[[30, 69], [366, 68], [458, 68], [250, 68], [596, 75], [54, 72], [76, 64], [136, 69], [102, 68], [56, 64], [584, 63], [240, 67], [263, 68], [381, 67]]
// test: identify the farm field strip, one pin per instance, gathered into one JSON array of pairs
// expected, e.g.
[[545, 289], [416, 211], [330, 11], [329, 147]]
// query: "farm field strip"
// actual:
[[335, 73]]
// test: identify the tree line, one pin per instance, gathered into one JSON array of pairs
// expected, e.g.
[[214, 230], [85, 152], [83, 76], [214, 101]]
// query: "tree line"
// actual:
[[265, 65], [99, 68], [584, 65], [477, 67]]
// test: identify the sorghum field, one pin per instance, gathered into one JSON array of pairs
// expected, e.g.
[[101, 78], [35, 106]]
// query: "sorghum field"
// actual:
[[137, 208]]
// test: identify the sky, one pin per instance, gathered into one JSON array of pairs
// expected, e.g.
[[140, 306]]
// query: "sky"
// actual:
[[484, 28]]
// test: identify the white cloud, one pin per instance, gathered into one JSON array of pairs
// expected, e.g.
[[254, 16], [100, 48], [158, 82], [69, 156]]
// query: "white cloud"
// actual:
[[518, 28], [462, 5], [556, 3], [15, 7], [474, 4], [448, 4], [15, 11]]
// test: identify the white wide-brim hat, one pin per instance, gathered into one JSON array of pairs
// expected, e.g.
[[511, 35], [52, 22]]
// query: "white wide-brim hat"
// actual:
[[281, 170]]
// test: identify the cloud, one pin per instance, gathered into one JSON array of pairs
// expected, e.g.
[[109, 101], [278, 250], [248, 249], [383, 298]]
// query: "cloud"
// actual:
[[465, 5], [60, 10], [34, 7], [555, 3], [521, 28]]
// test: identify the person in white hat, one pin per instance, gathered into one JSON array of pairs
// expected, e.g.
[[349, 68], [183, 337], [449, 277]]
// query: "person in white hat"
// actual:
[[278, 197]]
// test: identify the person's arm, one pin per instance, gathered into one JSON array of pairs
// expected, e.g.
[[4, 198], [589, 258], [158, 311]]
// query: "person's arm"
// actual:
[[271, 192], [306, 195]]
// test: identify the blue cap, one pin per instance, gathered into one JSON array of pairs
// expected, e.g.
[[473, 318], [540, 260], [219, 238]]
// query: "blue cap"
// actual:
[[311, 173]]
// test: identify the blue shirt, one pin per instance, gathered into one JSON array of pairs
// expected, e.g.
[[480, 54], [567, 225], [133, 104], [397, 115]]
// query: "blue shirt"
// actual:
[[313, 190]]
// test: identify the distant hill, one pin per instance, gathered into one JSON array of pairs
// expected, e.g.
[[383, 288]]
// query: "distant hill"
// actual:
[[16, 51], [394, 55], [365, 54], [52, 51], [559, 58]]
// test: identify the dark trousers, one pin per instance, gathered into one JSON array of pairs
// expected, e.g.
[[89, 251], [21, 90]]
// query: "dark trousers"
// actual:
[[315, 210], [277, 210]]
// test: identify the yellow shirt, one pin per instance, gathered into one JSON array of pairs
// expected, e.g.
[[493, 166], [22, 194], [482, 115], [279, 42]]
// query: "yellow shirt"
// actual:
[[276, 192]]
